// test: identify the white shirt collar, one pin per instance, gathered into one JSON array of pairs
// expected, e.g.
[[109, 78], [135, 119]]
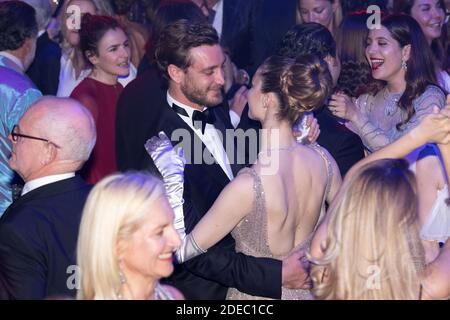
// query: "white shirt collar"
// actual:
[[14, 59], [189, 110], [40, 33], [39, 182], [218, 18]]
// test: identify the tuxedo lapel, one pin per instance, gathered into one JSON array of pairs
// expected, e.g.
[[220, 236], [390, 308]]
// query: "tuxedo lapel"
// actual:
[[181, 134]]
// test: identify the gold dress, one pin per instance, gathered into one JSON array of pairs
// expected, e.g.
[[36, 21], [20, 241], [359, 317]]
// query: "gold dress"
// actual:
[[252, 238]]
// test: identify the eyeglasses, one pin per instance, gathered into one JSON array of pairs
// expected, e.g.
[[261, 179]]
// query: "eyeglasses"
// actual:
[[15, 136]]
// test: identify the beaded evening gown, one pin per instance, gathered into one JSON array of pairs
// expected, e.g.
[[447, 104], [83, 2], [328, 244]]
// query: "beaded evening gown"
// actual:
[[251, 234]]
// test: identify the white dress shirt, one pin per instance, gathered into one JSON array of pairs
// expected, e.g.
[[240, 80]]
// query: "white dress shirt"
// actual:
[[39, 182], [218, 18], [210, 138], [18, 64]]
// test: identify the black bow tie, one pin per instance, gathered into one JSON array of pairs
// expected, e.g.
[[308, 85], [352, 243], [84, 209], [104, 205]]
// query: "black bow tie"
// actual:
[[199, 119]]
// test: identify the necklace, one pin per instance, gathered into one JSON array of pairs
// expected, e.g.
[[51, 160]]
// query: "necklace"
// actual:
[[267, 151], [390, 102]]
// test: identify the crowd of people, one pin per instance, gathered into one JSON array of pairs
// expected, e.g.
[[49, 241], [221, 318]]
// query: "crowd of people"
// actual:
[[224, 149]]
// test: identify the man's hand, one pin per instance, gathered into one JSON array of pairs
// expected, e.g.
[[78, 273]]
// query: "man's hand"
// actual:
[[343, 106], [314, 128], [239, 100], [295, 271]]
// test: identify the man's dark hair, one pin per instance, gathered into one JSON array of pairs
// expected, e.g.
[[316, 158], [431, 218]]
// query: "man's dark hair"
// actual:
[[17, 23], [122, 7], [308, 39], [177, 39]]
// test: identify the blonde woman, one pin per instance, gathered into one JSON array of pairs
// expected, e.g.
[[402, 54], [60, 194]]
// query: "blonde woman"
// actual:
[[126, 240], [368, 246]]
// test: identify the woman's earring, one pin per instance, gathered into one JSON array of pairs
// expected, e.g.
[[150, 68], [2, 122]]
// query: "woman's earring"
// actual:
[[404, 65], [122, 277]]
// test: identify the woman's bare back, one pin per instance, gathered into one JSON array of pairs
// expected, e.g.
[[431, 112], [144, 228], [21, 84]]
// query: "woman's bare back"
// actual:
[[295, 195]]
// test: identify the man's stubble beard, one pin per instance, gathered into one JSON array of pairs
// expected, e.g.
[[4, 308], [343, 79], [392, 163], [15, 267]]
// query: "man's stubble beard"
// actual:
[[198, 96]]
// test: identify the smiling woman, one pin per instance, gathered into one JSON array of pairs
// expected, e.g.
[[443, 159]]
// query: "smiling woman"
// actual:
[[430, 14], [126, 240], [104, 44]]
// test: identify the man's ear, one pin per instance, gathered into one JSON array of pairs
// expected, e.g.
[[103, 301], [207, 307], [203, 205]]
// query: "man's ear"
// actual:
[[176, 74], [49, 154], [406, 52]]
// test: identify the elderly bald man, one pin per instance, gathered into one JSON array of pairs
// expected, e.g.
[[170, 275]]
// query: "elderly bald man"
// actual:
[[38, 232]]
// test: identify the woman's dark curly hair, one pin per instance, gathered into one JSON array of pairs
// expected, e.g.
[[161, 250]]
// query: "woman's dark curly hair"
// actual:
[[355, 77]]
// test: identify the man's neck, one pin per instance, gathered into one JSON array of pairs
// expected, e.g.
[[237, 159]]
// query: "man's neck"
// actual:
[[15, 58], [177, 95]]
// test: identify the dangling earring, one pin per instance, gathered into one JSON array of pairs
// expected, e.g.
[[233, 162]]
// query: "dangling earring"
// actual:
[[404, 65], [122, 277]]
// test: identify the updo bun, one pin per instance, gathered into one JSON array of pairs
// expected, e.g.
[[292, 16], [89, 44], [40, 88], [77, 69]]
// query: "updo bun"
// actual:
[[301, 85]]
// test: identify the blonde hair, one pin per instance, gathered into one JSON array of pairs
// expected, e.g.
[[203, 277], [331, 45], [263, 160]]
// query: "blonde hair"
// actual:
[[102, 7], [337, 16], [373, 250], [114, 210]]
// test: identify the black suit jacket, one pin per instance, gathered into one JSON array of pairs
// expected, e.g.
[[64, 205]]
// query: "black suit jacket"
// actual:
[[344, 145], [44, 71], [38, 236], [273, 19], [142, 112], [237, 35]]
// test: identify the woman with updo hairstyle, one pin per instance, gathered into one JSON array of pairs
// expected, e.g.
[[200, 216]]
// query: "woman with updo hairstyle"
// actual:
[[273, 207], [105, 46]]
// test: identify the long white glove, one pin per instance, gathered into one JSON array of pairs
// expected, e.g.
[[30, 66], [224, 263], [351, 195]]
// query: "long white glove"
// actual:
[[171, 166], [188, 250]]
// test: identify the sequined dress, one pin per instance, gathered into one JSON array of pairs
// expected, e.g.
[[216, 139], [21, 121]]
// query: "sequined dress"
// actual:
[[380, 115], [251, 235]]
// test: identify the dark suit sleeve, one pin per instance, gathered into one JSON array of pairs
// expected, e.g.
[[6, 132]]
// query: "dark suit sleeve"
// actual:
[[350, 151], [22, 266], [222, 264], [254, 276]]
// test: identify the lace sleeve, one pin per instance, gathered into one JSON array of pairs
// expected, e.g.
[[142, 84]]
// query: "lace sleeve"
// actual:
[[423, 105], [372, 136]]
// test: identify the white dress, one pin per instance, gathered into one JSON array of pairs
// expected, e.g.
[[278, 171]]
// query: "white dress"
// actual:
[[437, 225], [68, 81]]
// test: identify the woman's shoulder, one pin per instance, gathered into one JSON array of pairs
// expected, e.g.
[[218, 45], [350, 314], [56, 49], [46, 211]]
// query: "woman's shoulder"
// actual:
[[432, 95], [86, 87]]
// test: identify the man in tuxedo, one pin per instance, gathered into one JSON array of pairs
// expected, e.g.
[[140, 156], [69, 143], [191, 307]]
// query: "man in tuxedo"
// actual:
[[233, 21], [38, 232], [18, 30], [191, 60], [44, 71]]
